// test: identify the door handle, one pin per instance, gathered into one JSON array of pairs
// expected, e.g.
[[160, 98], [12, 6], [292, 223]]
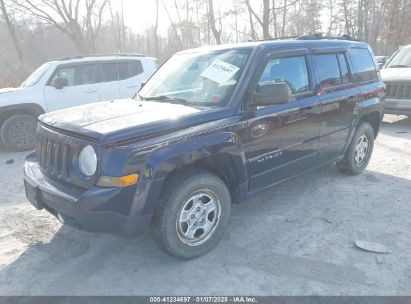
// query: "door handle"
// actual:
[[311, 110], [90, 91]]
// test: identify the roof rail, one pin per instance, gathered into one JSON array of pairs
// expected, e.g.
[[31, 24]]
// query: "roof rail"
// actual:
[[314, 36], [277, 38], [317, 36], [101, 55]]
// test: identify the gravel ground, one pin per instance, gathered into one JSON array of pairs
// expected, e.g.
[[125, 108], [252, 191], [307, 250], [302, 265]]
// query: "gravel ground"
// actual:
[[296, 238]]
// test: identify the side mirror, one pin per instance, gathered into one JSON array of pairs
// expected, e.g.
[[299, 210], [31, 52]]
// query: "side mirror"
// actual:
[[271, 93], [60, 83]]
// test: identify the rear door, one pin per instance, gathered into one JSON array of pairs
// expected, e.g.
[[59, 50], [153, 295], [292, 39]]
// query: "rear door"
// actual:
[[82, 86], [109, 80], [339, 96], [131, 76]]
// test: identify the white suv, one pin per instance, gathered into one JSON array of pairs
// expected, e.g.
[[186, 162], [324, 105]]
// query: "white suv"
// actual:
[[66, 83]]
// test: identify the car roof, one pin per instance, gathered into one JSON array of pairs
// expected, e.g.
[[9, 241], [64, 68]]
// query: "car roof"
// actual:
[[104, 57], [281, 43]]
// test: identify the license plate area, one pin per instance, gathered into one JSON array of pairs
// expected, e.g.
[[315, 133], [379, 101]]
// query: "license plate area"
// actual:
[[33, 195]]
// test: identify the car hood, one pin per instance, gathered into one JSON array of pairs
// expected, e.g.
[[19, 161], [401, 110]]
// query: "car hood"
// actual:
[[119, 120], [9, 90], [396, 74]]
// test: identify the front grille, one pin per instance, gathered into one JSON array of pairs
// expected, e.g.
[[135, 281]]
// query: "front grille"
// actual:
[[57, 156], [54, 157], [398, 90]]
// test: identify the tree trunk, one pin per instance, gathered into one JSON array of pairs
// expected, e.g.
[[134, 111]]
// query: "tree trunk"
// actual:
[[216, 33], [266, 19], [12, 31], [156, 31]]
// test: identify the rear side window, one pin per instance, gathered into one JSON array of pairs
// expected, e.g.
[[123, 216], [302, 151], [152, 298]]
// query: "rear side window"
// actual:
[[109, 72], [329, 70], [333, 70], [345, 74], [364, 65], [129, 69], [292, 70]]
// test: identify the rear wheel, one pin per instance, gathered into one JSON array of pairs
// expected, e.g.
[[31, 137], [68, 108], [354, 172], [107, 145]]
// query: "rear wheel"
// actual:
[[18, 132], [193, 214], [358, 154]]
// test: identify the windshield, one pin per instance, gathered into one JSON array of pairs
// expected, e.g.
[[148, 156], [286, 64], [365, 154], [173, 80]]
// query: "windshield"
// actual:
[[402, 59], [197, 78], [35, 76]]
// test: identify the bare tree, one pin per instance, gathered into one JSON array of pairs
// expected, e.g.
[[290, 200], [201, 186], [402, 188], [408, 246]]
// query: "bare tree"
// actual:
[[173, 26], [156, 30], [216, 32], [80, 20], [12, 30], [119, 28], [265, 20]]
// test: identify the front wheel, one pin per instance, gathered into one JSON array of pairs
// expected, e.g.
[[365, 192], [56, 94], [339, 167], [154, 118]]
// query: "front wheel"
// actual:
[[193, 214], [18, 132], [358, 154]]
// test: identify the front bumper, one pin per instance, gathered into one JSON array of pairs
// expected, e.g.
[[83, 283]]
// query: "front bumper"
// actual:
[[96, 209], [397, 106]]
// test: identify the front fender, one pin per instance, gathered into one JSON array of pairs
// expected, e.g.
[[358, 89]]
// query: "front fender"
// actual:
[[166, 159]]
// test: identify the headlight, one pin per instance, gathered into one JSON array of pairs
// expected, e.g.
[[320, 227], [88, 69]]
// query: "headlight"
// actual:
[[88, 161]]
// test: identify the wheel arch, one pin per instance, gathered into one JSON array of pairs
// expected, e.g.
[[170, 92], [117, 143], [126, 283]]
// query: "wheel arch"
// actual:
[[25, 108], [217, 154], [224, 166], [374, 119]]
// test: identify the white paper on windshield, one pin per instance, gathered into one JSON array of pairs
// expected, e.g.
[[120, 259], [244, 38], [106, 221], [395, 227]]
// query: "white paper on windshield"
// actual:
[[220, 71]]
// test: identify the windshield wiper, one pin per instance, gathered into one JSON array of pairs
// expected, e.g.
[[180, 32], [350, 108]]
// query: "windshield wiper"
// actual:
[[400, 66], [166, 98]]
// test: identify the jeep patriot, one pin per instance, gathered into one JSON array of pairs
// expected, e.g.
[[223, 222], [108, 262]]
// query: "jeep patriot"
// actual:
[[211, 127]]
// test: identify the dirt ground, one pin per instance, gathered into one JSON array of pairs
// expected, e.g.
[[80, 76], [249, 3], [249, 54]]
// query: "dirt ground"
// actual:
[[294, 239]]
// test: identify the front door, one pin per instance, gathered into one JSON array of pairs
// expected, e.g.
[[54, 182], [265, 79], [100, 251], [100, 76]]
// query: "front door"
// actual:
[[81, 88], [282, 140]]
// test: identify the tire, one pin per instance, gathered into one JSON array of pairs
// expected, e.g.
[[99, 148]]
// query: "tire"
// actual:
[[18, 132], [187, 202], [359, 152]]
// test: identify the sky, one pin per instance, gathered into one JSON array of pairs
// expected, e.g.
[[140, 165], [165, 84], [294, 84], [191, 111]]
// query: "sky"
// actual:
[[139, 14]]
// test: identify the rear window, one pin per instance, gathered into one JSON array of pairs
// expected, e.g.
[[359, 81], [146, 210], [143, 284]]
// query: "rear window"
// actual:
[[329, 70], [129, 69], [109, 72], [345, 74], [332, 69], [363, 64]]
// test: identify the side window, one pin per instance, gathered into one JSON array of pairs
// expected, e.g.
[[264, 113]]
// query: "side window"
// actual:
[[129, 69], [109, 72], [365, 69], [292, 70], [328, 69], [76, 75], [345, 75]]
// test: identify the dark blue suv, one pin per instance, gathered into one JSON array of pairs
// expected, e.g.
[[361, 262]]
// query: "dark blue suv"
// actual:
[[210, 128]]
